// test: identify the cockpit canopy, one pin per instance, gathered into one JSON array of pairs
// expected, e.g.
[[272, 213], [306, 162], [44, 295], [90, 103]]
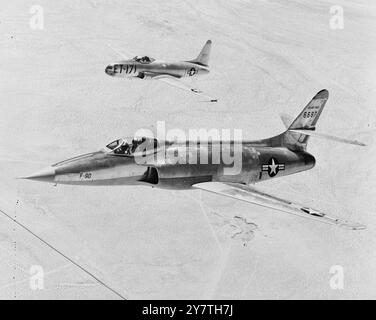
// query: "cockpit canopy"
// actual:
[[144, 59], [133, 146]]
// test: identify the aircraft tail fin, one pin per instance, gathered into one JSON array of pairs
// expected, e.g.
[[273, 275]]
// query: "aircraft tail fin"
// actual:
[[203, 57], [297, 135], [306, 121], [309, 116]]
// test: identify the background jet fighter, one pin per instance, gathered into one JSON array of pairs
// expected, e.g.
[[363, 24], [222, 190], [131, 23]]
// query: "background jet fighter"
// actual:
[[144, 67]]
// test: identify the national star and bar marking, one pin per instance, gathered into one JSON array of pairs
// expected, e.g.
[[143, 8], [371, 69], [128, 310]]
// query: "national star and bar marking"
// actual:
[[273, 167]]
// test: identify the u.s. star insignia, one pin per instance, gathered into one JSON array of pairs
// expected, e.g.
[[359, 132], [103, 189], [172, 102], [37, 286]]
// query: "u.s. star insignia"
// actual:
[[273, 167], [192, 72]]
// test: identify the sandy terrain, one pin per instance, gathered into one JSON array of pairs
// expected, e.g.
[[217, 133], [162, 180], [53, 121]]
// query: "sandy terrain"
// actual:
[[145, 243]]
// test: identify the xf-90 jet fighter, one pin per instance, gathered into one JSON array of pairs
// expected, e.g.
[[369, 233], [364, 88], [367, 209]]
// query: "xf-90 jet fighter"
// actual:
[[150, 162], [147, 68]]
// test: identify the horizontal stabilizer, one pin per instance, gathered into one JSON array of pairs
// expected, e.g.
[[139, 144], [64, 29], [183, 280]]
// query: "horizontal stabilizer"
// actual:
[[326, 136], [286, 119]]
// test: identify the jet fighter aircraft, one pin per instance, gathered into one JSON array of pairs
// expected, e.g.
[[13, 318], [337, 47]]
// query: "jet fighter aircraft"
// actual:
[[169, 72], [132, 161]]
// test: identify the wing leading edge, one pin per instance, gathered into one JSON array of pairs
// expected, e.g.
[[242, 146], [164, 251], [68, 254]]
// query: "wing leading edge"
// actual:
[[181, 85], [251, 195]]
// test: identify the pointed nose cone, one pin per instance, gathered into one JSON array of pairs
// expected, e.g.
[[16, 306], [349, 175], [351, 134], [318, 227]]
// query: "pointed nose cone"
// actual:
[[45, 175]]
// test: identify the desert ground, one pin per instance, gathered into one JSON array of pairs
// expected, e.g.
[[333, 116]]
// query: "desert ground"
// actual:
[[268, 57]]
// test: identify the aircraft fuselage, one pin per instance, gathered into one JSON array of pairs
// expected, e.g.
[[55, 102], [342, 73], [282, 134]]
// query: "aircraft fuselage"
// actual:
[[155, 69], [165, 169]]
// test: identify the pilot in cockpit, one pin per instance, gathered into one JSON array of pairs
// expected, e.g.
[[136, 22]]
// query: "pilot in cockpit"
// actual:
[[124, 148], [145, 59], [136, 143]]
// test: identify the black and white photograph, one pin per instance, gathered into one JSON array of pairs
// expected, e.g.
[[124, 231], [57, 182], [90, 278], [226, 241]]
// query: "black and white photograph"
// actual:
[[188, 150]]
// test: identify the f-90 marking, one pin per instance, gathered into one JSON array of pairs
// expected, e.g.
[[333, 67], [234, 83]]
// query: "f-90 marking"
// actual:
[[85, 175]]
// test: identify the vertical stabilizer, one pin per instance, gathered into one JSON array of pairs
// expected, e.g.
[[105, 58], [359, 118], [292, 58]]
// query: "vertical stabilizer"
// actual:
[[306, 120], [203, 57]]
